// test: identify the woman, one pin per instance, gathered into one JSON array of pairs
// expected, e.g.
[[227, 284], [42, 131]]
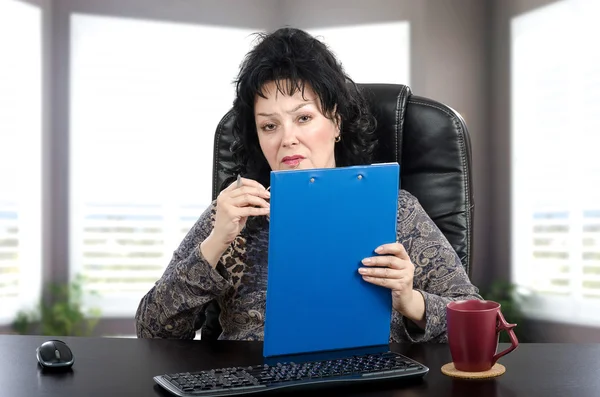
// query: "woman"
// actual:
[[295, 110]]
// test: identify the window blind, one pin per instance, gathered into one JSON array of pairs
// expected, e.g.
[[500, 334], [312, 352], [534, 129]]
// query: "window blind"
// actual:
[[555, 166], [146, 98], [20, 157]]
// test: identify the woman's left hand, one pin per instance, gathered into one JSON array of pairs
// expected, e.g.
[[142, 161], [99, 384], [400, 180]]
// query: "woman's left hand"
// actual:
[[392, 269]]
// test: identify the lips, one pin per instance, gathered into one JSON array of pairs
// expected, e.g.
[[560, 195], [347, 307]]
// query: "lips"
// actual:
[[292, 161]]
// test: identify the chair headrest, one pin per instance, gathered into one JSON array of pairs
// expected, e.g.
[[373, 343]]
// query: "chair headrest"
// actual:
[[428, 139]]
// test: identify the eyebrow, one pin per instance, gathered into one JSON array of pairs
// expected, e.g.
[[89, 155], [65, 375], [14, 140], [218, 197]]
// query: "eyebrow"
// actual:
[[289, 111]]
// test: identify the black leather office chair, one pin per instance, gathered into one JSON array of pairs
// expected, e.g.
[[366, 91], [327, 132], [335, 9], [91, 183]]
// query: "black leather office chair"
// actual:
[[431, 143]]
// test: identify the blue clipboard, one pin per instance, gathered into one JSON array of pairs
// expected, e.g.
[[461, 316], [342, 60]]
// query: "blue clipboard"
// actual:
[[323, 222]]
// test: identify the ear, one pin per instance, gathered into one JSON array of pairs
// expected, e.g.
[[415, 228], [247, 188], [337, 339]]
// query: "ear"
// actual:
[[337, 119]]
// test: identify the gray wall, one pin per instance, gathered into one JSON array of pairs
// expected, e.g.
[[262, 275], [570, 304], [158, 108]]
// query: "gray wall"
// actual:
[[459, 56], [438, 31], [449, 55], [258, 14]]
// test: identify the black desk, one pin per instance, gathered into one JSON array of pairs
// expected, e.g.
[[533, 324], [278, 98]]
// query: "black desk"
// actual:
[[125, 367]]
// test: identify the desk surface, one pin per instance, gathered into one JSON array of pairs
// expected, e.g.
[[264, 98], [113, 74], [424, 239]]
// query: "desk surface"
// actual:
[[125, 367]]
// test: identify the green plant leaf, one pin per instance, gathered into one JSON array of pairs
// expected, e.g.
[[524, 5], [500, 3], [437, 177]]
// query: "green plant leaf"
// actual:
[[505, 294], [63, 315]]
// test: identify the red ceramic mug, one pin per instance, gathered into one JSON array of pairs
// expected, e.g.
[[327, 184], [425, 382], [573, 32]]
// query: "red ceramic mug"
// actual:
[[473, 330]]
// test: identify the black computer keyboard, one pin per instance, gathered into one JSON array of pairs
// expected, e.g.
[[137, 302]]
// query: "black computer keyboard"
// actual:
[[288, 375]]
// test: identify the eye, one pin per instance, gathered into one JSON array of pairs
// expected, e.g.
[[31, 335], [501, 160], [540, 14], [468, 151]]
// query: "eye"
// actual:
[[304, 118], [268, 127]]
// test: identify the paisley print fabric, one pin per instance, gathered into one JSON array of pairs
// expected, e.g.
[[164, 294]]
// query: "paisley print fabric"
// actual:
[[239, 282]]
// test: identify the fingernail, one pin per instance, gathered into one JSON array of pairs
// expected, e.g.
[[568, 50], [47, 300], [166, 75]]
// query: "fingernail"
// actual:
[[366, 260], [362, 270], [378, 249], [268, 193]]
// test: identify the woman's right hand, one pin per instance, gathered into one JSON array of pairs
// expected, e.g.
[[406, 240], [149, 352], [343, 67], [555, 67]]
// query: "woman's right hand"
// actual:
[[234, 206]]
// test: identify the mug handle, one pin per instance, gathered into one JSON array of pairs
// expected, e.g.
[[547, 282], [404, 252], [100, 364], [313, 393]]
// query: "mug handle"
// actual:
[[505, 326]]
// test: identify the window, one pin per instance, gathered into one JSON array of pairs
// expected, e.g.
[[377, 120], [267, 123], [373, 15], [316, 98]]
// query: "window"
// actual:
[[20, 157], [146, 98], [555, 167], [365, 54]]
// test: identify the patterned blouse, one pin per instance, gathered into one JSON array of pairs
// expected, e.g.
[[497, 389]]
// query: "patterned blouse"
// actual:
[[238, 283]]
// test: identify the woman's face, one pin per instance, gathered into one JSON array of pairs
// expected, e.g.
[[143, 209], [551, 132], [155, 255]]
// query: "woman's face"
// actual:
[[292, 131]]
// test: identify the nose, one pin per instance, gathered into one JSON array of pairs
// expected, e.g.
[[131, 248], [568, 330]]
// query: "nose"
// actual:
[[290, 136]]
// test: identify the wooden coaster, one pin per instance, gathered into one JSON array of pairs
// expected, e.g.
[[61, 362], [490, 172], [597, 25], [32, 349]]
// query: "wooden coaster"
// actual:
[[496, 370]]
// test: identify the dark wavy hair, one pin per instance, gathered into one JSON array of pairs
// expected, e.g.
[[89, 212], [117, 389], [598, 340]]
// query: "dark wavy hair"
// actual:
[[292, 59]]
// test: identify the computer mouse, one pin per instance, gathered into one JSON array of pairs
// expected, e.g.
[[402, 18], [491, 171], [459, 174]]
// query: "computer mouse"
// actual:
[[55, 354]]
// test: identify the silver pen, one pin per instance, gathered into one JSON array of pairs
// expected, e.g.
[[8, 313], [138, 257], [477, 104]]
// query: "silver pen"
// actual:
[[239, 181]]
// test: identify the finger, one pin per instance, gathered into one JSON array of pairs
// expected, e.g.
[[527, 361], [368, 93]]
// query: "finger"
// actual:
[[244, 182], [252, 190], [383, 272], [246, 200], [244, 212], [395, 249], [384, 282], [385, 260], [252, 183]]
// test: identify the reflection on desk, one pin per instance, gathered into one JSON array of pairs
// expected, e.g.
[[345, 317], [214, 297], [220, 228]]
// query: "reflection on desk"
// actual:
[[125, 367]]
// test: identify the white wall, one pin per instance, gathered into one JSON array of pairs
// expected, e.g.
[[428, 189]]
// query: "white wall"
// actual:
[[255, 14]]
